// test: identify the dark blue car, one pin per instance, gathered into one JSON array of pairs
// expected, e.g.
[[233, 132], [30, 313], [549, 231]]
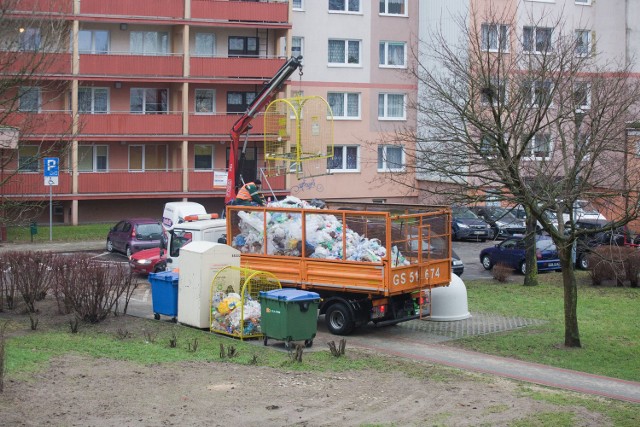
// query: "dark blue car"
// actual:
[[511, 252]]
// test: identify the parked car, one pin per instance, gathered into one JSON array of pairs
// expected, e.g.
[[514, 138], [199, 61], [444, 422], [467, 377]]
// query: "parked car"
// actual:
[[587, 242], [583, 211], [503, 223], [511, 252], [465, 224], [134, 234], [521, 214], [457, 266]]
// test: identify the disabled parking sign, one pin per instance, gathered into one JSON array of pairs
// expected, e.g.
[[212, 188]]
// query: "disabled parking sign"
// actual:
[[51, 170]]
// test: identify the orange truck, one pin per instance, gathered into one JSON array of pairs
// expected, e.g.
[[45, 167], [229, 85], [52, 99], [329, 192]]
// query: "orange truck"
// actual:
[[368, 262]]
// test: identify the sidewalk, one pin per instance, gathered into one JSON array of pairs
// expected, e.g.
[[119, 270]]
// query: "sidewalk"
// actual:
[[81, 246]]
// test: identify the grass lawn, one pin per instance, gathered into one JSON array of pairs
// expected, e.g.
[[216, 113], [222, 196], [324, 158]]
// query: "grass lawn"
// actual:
[[60, 233], [608, 320]]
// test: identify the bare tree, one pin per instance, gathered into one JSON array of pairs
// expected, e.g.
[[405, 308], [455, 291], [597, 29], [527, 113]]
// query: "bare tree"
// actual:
[[538, 121], [34, 53]]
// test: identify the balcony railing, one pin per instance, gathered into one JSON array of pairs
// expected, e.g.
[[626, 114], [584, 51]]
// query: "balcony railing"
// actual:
[[200, 124], [44, 123], [131, 65], [277, 12], [131, 124], [119, 182], [150, 8], [260, 68], [38, 63], [43, 6]]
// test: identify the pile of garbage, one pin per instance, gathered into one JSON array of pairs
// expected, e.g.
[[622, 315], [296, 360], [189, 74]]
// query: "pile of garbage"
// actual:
[[324, 235], [229, 315]]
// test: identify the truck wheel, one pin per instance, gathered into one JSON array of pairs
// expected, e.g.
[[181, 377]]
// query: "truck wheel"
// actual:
[[339, 319]]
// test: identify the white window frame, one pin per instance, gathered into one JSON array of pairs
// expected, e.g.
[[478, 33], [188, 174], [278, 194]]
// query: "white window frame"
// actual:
[[164, 48], [345, 8], [579, 33], [534, 36], [29, 39], [213, 101], [213, 151], [93, 100], [587, 87], [297, 5], [531, 154], [24, 90], [144, 100], [211, 54], [345, 62], [384, 4], [384, 47], [92, 33], [382, 150], [300, 46], [385, 106], [533, 91], [583, 2], [94, 158], [144, 158], [292, 113], [345, 105], [344, 149], [485, 32], [501, 86]]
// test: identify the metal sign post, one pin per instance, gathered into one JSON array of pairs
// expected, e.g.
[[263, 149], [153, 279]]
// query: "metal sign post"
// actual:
[[51, 169]]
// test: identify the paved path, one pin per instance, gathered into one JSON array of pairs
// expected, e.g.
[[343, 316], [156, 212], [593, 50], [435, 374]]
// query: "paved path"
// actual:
[[418, 342]]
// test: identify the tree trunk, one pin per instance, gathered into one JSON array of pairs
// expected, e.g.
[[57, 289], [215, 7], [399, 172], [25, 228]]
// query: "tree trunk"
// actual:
[[531, 277], [571, 332]]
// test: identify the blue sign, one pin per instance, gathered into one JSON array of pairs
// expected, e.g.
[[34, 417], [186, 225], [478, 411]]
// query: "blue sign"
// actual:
[[51, 166]]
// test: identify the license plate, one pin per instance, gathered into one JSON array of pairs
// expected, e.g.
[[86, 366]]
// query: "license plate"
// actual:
[[554, 264], [478, 232]]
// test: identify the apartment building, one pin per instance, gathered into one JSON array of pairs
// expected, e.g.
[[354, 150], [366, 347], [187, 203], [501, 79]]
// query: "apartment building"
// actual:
[[139, 107]]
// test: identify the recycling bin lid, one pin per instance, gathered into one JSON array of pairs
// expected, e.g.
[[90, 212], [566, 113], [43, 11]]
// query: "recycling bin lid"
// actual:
[[290, 295], [168, 276]]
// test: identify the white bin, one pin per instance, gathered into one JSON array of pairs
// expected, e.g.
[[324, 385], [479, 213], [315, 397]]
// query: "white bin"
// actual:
[[199, 263]]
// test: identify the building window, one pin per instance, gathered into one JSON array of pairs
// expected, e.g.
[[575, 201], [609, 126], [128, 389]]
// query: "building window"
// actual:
[[148, 157], [149, 100], [93, 41], [393, 7], [93, 158], [391, 106], [540, 146], [243, 46], [297, 46], [487, 146], [149, 42], [344, 5], [582, 95], [583, 2], [345, 158], [536, 39], [28, 156], [538, 92], [93, 100], [205, 45], [205, 100], [238, 102], [390, 158], [393, 54], [297, 5], [296, 111], [344, 105], [29, 39], [29, 99], [203, 157], [344, 52], [583, 42], [495, 92], [495, 37]]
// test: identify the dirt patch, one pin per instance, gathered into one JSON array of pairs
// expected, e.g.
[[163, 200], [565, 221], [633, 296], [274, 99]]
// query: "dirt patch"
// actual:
[[79, 390]]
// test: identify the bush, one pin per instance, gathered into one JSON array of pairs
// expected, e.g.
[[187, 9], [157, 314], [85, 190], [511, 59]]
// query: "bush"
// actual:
[[615, 263], [501, 272], [28, 273], [91, 289]]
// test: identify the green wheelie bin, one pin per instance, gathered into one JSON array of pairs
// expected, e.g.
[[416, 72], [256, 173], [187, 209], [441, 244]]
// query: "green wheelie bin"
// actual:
[[289, 315]]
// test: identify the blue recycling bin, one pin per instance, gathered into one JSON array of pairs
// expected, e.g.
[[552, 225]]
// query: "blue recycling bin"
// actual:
[[164, 294], [289, 315]]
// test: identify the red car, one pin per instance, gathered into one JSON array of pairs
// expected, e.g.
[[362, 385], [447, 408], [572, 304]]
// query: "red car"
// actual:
[[148, 261]]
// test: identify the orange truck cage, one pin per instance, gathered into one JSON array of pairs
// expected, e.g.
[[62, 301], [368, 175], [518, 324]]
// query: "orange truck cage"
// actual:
[[368, 262]]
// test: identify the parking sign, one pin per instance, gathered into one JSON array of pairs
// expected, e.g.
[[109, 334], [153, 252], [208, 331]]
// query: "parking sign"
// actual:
[[51, 170]]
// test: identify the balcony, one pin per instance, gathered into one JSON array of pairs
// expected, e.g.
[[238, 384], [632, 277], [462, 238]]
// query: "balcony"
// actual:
[[122, 65], [38, 63], [25, 184], [43, 6], [217, 124], [131, 124], [130, 182], [139, 8], [47, 123], [271, 12], [201, 181], [259, 68]]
